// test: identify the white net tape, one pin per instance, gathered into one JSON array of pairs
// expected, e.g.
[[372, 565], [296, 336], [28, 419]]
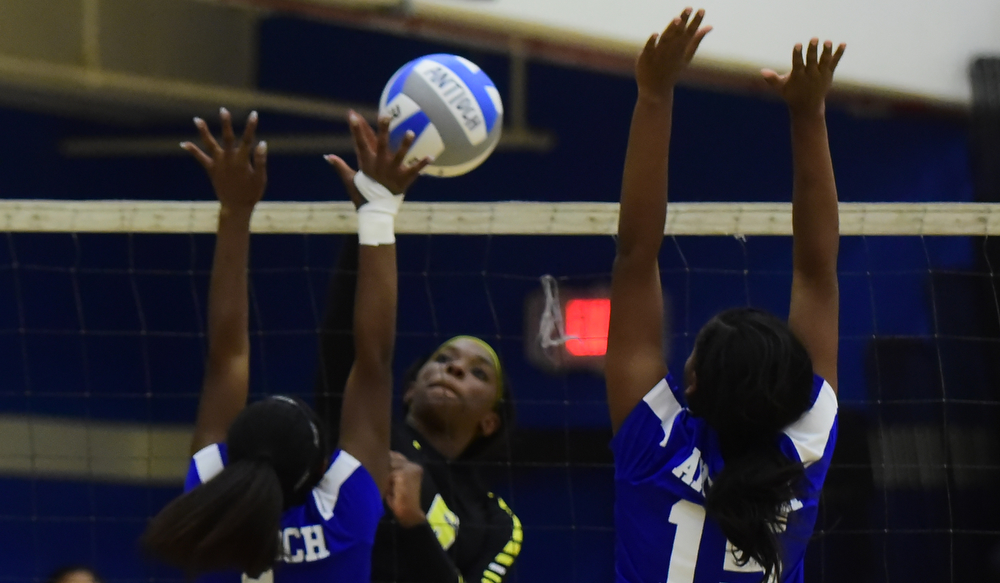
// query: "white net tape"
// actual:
[[494, 218]]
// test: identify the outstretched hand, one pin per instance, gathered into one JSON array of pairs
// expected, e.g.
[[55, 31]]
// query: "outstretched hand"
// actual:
[[238, 183], [376, 159], [666, 55], [806, 86]]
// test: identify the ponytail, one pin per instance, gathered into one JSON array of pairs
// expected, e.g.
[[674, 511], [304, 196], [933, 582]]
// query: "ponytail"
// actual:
[[752, 378], [749, 500], [229, 522]]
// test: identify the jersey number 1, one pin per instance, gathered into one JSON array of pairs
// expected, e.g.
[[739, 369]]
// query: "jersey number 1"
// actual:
[[690, 521]]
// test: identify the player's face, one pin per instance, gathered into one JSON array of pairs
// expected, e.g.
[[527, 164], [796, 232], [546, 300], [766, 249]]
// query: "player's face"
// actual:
[[459, 383]]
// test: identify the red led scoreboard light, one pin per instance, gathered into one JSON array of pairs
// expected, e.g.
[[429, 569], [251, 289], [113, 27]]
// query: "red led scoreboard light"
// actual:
[[585, 313], [587, 326]]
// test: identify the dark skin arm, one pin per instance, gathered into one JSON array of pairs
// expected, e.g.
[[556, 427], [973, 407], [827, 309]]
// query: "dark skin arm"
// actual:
[[238, 185], [336, 340], [813, 314], [366, 416], [635, 357]]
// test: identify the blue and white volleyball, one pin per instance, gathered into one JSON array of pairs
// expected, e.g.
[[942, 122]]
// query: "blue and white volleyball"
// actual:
[[452, 107]]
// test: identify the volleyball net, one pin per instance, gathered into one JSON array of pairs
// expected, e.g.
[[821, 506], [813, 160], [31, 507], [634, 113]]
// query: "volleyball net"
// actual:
[[102, 342]]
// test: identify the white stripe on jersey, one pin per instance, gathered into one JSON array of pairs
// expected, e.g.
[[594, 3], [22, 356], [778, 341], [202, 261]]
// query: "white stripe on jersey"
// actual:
[[663, 403], [811, 432], [328, 490], [208, 463]]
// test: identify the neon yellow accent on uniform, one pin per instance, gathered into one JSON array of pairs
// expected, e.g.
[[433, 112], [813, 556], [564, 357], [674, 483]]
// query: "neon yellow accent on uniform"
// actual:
[[511, 549], [416, 445], [518, 534], [443, 522]]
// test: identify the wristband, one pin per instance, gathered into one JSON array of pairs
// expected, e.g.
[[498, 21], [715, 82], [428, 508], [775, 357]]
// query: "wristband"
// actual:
[[376, 218]]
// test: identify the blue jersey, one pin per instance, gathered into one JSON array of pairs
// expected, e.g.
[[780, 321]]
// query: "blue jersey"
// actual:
[[329, 538], [663, 457]]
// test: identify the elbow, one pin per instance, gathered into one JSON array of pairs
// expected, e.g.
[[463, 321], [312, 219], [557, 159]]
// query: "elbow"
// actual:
[[223, 357], [374, 358]]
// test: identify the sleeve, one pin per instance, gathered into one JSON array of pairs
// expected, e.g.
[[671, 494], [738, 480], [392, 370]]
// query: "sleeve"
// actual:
[[348, 500], [205, 465], [336, 338], [502, 548], [655, 431], [810, 436]]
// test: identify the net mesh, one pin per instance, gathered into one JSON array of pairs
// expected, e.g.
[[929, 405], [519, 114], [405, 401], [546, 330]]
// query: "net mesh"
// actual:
[[102, 345]]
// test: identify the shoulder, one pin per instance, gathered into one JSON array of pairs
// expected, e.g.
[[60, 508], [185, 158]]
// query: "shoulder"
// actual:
[[663, 445], [659, 421], [811, 437], [205, 464], [658, 408], [407, 442], [345, 484]]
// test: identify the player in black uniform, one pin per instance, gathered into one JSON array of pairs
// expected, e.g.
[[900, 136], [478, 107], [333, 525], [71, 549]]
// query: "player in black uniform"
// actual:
[[445, 526]]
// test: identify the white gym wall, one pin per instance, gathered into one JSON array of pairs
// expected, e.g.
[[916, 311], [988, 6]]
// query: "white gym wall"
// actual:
[[916, 47]]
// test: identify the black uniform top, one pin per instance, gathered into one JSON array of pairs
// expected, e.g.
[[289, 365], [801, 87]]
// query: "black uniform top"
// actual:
[[471, 534]]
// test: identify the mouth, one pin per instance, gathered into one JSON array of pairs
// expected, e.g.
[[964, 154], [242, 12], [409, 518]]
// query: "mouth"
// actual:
[[446, 387]]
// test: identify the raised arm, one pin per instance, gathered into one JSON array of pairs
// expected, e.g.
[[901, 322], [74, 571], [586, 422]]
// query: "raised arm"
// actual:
[[815, 305], [635, 358], [238, 185], [336, 336], [366, 416]]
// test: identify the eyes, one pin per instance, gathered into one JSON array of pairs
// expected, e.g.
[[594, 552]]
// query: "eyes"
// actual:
[[477, 371]]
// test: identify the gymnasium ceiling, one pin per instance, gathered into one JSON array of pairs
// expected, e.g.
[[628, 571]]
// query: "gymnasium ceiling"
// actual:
[[146, 63]]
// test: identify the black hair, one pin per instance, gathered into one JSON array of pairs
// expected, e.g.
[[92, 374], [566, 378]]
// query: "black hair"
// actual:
[[59, 574], [752, 378], [277, 451], [484, 446]]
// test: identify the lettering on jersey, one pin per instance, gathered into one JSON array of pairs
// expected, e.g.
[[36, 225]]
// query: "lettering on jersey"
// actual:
[[752, 566], [457, 95], [732, 565], [304, 544], [443, 522], [264, 578], [694, 471]]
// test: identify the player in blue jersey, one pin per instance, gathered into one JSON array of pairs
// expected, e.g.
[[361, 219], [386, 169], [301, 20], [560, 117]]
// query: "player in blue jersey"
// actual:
[[718, 478], [265, 495]]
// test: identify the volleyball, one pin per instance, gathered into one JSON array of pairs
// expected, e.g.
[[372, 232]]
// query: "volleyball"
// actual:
[[452, 107]]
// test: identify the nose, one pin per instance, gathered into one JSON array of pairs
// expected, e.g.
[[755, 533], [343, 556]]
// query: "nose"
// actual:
[[455, 369]]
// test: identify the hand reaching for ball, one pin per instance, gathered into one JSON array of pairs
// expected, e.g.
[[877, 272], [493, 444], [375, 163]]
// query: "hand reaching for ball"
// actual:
[[376, 159], [806, 86], [666, 55]]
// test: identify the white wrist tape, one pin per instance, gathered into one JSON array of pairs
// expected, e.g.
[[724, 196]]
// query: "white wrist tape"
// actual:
[[377, 217]]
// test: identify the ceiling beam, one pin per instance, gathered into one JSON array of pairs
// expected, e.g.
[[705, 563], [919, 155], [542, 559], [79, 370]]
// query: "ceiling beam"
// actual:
[[112, 89]]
